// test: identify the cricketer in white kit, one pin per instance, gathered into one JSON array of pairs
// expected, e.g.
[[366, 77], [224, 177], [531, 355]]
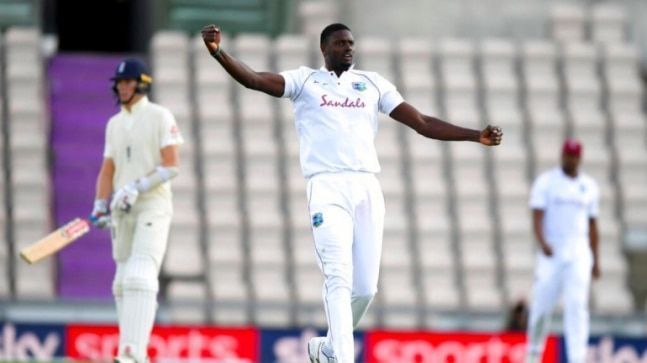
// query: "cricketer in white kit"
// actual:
[[140, 158], [565, 204], [336, 110]]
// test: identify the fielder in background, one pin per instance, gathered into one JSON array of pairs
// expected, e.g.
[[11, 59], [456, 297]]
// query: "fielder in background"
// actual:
[[140, 158], [336, 109], [564, 203]]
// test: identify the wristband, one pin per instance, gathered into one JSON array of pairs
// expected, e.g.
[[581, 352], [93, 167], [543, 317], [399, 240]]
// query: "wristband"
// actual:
[[142, 184], [217, 52], [100, 204], [160, 175]]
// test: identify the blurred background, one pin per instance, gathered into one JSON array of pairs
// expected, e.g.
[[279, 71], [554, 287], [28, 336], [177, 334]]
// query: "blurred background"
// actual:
[[458, 250]]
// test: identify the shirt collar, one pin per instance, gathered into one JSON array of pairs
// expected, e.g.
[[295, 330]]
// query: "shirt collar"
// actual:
[[137, 107], [323, 68], [564, 175]]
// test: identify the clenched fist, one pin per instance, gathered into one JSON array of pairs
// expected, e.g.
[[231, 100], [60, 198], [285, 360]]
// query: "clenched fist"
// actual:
[[491, 135], [211, 37]]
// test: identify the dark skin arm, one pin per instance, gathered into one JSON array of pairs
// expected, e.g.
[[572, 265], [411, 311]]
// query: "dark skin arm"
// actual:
[[438, 129], [594, 241], [274, 85], [271, 83], [537, 218]]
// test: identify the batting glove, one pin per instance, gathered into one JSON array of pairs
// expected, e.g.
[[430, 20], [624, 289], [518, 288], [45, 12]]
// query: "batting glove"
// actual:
[[100, 216], [124, 198]]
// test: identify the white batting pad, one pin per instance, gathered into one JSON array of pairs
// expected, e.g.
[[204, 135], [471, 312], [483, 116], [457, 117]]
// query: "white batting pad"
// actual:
[[140, 286]]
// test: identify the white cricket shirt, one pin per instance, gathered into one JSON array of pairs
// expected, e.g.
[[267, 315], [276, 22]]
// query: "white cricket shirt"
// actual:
[[568, 204], [336, 117], [134, 140]]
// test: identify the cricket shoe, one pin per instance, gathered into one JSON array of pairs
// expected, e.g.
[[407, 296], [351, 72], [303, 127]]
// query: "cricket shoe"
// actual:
[[315, 351], [124, 360], [127, 357]]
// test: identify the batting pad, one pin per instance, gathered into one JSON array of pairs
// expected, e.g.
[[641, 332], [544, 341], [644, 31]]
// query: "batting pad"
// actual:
[[140, 274], [140, 286], [118, 291]]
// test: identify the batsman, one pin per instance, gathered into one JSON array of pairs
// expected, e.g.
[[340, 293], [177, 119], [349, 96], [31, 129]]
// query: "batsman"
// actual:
[[140, 158]]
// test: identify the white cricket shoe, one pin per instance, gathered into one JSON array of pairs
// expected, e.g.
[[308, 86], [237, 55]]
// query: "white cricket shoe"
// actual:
[[315, 351], [127, 357], [123, 359]]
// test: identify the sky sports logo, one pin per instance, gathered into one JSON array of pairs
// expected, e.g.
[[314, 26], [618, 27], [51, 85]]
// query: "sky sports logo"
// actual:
[[616, 350], [47, 342], [168, 343], [29, 342], [387, 347], [404, 347]]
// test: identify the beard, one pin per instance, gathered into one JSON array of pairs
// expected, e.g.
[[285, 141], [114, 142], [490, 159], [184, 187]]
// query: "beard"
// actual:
[[342, 65]]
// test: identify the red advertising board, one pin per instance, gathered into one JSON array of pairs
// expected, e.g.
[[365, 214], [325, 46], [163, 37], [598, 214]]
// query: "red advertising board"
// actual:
[[231, 345], [425, 347]]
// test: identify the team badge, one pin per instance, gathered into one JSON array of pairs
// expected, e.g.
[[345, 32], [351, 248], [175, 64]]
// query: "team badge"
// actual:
[[359, 86], [317, 219]]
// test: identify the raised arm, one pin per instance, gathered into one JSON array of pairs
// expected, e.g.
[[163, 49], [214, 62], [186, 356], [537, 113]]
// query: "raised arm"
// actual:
[[271, 83], [435, 128]]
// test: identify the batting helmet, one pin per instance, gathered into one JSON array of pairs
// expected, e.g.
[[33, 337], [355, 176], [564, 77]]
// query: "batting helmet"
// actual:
[[132, 68]]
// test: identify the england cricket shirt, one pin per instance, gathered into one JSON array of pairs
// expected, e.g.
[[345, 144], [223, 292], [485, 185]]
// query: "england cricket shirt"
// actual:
[[134, 140]]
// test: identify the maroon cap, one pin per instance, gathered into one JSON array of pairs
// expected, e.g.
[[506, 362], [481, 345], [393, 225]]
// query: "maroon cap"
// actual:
[[572, 147]]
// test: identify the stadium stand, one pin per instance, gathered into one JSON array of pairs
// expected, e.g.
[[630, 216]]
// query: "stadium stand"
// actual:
[[608, 23], [4, 223], [316, 14], [272, 17], [27, 150], [457, 234], [568, 21], [185, 270], [18, 13]]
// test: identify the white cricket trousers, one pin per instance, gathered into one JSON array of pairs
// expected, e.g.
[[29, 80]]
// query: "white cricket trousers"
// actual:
[[554, 276], [347, 219], [139, 240]]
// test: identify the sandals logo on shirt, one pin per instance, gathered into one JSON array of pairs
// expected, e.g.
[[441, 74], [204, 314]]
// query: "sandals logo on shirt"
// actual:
[[347, 103], [317, 219], [359, 86]]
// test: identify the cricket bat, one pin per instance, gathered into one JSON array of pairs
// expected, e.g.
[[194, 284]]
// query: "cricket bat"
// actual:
[[56, 240]]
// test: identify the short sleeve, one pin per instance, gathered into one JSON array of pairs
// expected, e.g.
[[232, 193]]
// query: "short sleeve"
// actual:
[[594, 205], [539, 193], [107, 148], [294, 81], [390, 98], [169, 133]]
